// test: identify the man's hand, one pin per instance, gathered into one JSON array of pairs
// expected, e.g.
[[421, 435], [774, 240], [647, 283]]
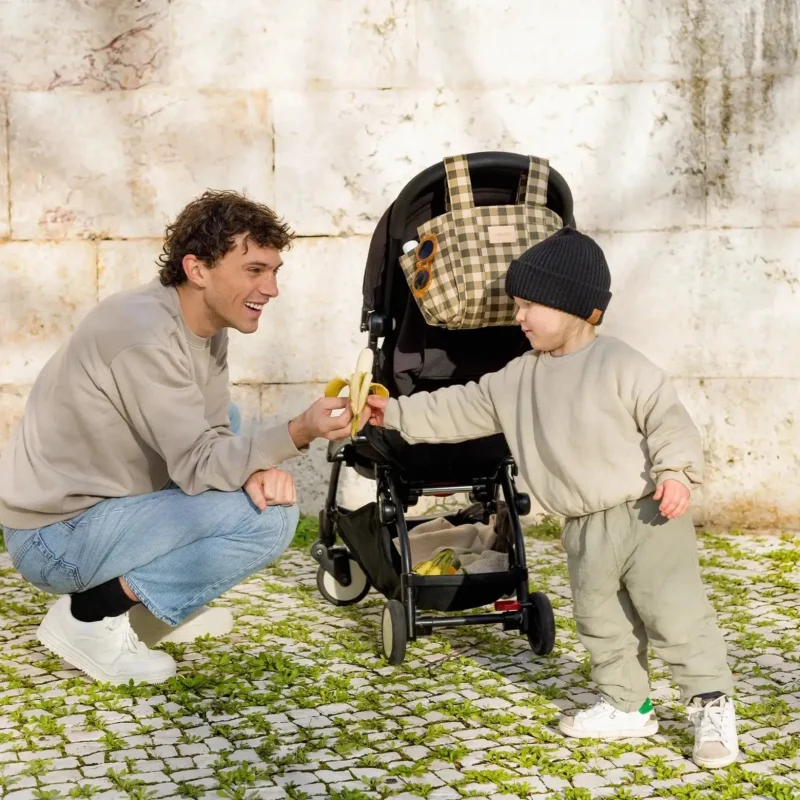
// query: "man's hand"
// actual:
[[317, 422], [675, 499], [373, 413], [271, 487]]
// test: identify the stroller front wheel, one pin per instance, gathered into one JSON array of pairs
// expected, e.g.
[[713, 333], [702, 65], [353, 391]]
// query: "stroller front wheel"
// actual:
[[337, 594], [541, 624], [394, 636]]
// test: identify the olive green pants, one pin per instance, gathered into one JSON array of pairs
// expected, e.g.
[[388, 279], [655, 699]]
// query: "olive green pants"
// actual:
[[635, 579]]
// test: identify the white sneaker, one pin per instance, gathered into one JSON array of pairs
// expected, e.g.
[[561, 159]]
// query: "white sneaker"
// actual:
[[715, 742], [603, 721], [107, 650], [205, 621]]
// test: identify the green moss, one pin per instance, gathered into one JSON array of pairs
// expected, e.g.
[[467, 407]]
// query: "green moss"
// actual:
[[548, 529], [307, 532]]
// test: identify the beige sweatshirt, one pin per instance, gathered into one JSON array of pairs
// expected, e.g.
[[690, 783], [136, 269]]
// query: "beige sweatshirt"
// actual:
[[589, 430], [132, 399]]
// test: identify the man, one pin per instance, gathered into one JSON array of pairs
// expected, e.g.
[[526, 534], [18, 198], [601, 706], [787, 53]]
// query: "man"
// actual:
[[122, 483]]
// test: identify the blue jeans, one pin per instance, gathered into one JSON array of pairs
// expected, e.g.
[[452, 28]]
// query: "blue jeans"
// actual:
[[175, 551]]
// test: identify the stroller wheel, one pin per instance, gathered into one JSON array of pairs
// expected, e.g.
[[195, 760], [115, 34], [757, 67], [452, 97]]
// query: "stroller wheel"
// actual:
[[541, 625], [394, 636], [337, 594]]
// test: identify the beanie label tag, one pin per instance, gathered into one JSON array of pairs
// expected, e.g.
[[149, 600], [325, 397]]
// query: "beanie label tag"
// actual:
[[594, 317], [502, 234]]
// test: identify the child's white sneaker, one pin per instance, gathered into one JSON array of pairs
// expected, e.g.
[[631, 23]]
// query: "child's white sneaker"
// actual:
[[715, 742], [107, 650], [603, 721]]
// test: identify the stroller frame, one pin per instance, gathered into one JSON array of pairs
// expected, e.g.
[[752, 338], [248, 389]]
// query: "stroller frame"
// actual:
[[530, 613], [340, 578]]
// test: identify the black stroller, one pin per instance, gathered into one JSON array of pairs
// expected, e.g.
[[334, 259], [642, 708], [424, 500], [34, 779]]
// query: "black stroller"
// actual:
[[412, 356]]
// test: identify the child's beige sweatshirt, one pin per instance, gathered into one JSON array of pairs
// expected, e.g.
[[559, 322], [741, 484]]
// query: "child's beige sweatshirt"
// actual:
[[589, 430]]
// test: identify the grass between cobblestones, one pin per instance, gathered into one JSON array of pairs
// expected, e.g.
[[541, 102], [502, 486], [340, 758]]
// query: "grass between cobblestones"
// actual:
[[296, 703]]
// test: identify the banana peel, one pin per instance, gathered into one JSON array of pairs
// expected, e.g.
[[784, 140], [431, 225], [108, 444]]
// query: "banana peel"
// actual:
[[360, 386], [444, 562]]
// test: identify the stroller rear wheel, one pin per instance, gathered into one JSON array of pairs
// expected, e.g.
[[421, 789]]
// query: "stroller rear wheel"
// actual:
[[394, 635], [541, 624], [337, 594]]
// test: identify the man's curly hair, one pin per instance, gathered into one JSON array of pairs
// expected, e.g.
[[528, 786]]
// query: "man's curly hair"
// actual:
[[207, 229]]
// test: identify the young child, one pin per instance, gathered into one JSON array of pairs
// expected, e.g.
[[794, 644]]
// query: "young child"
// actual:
[[601, 439]]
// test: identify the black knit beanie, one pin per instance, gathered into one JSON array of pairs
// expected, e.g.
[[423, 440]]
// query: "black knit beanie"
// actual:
[[567, 271]]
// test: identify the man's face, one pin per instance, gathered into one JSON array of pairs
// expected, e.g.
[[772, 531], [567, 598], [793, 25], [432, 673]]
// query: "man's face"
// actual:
[[241, 284]]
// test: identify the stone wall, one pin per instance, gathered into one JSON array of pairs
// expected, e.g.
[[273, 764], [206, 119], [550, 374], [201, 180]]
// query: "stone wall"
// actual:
[[675, 123]]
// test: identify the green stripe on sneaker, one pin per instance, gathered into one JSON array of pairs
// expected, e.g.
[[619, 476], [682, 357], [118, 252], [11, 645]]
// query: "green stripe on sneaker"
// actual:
[[647, 707]]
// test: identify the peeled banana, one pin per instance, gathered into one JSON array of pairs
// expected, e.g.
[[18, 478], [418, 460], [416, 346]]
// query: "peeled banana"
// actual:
[[444, 562], [361, 386]]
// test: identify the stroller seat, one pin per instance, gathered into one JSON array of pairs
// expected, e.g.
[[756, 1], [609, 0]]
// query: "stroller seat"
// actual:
[[414, 356], [459, 464]]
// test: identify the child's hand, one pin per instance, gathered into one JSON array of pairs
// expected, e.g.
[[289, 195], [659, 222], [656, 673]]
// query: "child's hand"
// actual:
[[675, 499], [373, 412]]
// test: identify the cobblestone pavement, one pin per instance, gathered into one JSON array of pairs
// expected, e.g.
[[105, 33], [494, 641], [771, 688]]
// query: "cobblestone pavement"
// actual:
[[296, 703]]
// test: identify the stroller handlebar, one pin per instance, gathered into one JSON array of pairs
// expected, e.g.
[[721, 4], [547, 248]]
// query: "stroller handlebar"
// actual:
[[559, 196]]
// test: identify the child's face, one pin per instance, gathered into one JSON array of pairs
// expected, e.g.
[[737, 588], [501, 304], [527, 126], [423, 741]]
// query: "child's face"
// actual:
[[546, 328]]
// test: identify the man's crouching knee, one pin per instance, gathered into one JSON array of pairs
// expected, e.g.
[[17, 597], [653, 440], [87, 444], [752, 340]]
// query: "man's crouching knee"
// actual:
[[262, 536], [277, 526], [292, 519]]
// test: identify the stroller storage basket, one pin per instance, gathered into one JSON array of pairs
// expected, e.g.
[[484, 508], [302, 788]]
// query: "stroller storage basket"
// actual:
[[462, 592], [371, 546]]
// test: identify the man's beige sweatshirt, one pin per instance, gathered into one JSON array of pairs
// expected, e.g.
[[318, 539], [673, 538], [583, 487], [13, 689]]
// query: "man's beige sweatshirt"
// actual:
[[130, 401], [589, 430]]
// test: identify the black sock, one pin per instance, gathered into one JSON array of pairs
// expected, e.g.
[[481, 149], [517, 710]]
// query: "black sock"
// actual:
[[708, 697], [106, 600]]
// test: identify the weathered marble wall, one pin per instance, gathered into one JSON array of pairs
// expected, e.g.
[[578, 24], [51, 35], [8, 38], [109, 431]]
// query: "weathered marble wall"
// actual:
[[677, 125]]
